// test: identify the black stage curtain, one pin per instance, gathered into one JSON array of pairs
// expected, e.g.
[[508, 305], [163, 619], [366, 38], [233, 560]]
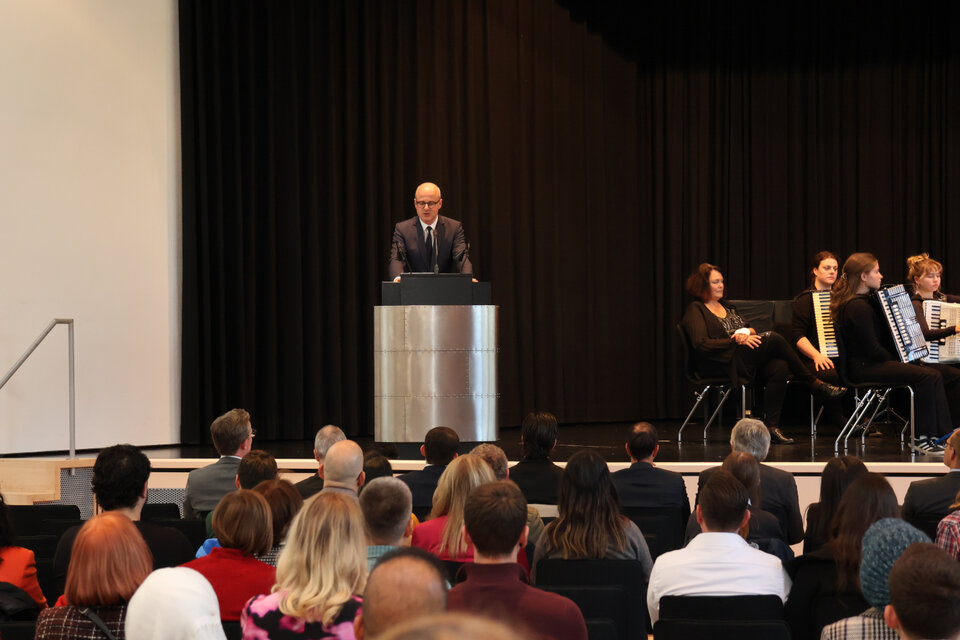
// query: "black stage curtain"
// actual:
[[596, 153]]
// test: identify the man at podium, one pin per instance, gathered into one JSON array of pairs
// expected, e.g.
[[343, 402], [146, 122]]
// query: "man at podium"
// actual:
[[429, 242]]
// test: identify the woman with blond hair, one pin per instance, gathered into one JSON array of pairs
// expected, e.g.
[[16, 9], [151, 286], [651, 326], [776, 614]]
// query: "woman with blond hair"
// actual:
[[442, 534], [320, 574], [107, 565]]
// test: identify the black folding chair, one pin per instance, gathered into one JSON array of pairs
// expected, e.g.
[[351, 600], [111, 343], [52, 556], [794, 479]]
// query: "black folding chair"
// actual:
[[721, 383], [721, 618], [662, 527]]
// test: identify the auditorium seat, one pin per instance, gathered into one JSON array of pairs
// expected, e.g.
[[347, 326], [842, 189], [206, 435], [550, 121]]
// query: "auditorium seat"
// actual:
[[28, 520], [232, 629], [662, 527], [20, 630], [721, 618], [721, 383], [160, 511], [610, 594]]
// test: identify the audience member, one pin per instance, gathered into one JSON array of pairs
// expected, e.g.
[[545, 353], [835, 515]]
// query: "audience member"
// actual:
[[408, 583], [928, 501], [320, 575], [826, 582], [948, 530], [386, 504], [285, 502], [254, 468], [837, 475], [718, 562], [451, 626], [442, 534], [439, 448], [589, 523], [174, 603], [764, 528], [883, 543], [497, 459], [644, 485], [326, 437], [495, 517], [778, 488], [242, 524], [342, 468], [120, 475], [376, 465], [536, 475], [924, 592], [232, 436], [18, 566], [110, 560]]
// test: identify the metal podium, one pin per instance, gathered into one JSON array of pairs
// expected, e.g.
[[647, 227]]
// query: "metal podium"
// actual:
[[435, 343]]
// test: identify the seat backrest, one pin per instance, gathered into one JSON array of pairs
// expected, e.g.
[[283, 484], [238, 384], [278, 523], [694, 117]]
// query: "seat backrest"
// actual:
[[607, 591], [453, 569], [43, 546], [21, 630], [194, 530], [687, 349], [732, 608], [662, 527], [165, 510], [27, 520], [720, 630], [232, 629], [759, 314]]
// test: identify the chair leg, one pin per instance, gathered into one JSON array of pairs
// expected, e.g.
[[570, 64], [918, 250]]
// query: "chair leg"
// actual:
[[861, 407], [700, 396], [880, 399], [723, 398], [813, 421], [908, 423]]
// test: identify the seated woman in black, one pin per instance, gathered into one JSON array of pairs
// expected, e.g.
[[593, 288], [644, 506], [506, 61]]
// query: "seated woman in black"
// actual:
[[871, 352], [825, 268], [725, 345]]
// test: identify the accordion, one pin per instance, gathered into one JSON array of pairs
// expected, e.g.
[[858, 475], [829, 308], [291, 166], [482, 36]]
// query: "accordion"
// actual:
[[826, 334], [898, 309], [939, 315]]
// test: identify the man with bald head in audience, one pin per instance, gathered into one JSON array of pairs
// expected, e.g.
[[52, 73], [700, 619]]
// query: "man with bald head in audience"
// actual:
[[407, 583], [342, 468], [386, 506], [645, 485], [325, 438]]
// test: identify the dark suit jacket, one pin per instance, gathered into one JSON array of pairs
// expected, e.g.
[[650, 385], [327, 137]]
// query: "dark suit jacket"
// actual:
[[780, 498], [422, 485], [205, 486], [310, 486], [929, 500], [539, 480], [644, 485], [408, 245]]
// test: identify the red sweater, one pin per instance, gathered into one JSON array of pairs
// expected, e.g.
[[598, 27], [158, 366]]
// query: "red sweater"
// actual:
[[235, 578]]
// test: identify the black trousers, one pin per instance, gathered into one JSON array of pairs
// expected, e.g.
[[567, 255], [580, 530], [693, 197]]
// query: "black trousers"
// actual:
[[770, 365], [932, 410]]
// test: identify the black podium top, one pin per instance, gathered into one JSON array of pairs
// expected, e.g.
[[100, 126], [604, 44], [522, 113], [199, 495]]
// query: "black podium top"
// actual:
[[434, 289]]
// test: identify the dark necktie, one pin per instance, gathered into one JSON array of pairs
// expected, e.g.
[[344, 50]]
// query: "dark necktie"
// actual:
[[430, 251]]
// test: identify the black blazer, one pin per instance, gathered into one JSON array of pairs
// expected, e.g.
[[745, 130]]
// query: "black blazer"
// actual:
[[422, 484], [408, 251], [644, 485], [779, 497], [814, 600], [713, 350], [310, 486], [930, 499], [539, 480]]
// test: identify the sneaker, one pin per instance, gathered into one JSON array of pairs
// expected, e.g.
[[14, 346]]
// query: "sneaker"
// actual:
[[927, 446]]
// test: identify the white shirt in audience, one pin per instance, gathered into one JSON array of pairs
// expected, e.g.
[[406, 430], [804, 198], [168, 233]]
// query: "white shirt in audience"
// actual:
[[715, 564]]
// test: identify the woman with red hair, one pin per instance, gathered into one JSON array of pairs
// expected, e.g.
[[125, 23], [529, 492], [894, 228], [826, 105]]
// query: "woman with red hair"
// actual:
[[108, 563]]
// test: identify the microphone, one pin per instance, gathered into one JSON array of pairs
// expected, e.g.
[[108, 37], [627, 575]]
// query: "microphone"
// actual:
[[436, 253]]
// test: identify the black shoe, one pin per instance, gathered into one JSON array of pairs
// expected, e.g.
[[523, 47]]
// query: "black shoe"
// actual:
[[777, 437], [827, 390]]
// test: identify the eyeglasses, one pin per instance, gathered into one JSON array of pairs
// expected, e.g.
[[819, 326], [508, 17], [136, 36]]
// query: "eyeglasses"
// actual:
[[426, 204], [253, 432]]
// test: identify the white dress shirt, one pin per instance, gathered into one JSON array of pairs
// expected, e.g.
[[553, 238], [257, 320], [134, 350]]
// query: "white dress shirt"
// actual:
[[715, 564]]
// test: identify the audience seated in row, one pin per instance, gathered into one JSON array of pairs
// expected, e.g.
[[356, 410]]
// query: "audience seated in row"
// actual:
[[320, 575], [589, 523], [342, 469], [536, 475], [254, 468], [644, 485], [386, 504], [174, 603], [285, 503], [778, 487], [232, 435], [497, 459], [18, 566], [495, 519], [837, 476], [243, 526], [109, 561], [719, 561], [326, 437], [883, 543], [120, 475], [930, 500], [826, 582], [376, 465], [439, 448]]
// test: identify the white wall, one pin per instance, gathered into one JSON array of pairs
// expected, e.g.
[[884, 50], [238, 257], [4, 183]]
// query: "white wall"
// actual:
[[89, 219]]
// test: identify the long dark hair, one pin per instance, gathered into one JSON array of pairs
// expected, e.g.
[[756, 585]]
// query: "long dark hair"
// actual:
[[589, 510], [837, 476], [868, 498], [849, 281]]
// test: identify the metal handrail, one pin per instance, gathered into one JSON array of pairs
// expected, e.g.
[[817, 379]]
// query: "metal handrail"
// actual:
[[30, 350]]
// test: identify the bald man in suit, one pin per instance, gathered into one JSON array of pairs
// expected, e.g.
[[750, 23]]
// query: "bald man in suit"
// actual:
[[428, 239]]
